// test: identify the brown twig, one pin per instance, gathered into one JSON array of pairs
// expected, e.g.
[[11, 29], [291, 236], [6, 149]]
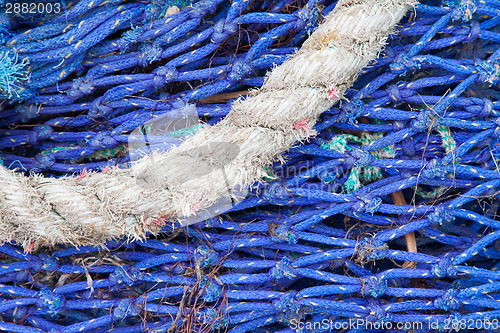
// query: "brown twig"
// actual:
[[172, 327], [222, 98], [411, 244]]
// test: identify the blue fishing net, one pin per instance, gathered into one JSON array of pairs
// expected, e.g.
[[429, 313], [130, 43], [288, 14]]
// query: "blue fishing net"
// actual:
[[324, 244]]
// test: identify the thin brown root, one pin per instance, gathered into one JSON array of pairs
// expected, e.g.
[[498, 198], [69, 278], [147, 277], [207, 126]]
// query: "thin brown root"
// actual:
[[411, 243], [172, 327], [222, 98]]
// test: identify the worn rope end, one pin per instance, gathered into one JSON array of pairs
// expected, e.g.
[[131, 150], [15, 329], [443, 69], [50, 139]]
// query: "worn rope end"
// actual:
[[12, 73]]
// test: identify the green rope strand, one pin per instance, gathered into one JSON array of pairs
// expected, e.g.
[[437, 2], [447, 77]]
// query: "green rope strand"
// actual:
[[367, 173]]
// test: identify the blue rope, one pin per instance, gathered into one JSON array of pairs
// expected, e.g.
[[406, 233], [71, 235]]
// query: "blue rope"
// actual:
[[301, 248]]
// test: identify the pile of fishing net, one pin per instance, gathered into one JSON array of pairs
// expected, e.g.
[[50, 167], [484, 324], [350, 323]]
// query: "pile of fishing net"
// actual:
[[387, 216]]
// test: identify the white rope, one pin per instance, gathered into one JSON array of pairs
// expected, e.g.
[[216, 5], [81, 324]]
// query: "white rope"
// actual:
[[131, 202]]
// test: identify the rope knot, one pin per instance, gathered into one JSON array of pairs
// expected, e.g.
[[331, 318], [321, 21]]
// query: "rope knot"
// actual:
[[374, 286], [150, 53], [210, 289], [239, 70], [164, 75], [128, 37], [402, 63], [433, 170], [361, 157], [288, 308], [331, 175], [39, 133], [125, 308], [80, 87], [283, 269], [153, 10], [205, 255], [423, 122], [43, 162], [98, 109], [441, 215], [50, 301], [351, 111], [444, 268], [27, 112], [377, 313], [202, 8], [103, 140], [282, 233], [307, 19], [488, 71], [448, 300], [370, 249], [462, 9], [122, 274], [214, 318], [367, 203], [222, 30]]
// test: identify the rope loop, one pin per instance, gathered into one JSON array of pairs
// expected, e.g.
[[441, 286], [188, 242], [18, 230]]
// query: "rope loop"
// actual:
[[350, 111], [358, 157], [307, 19], [475, 31]]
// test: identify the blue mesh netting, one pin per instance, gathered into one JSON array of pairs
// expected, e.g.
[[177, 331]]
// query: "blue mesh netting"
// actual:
[[324, 240]]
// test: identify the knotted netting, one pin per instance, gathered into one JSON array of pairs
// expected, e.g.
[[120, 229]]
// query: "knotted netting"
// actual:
[[387, 215]]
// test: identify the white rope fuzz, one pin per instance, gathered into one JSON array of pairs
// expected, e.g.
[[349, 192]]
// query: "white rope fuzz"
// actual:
[[101, 206]]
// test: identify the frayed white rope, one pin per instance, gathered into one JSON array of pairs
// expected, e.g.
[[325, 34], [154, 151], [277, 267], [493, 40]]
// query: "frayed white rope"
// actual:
[[131, 202]]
